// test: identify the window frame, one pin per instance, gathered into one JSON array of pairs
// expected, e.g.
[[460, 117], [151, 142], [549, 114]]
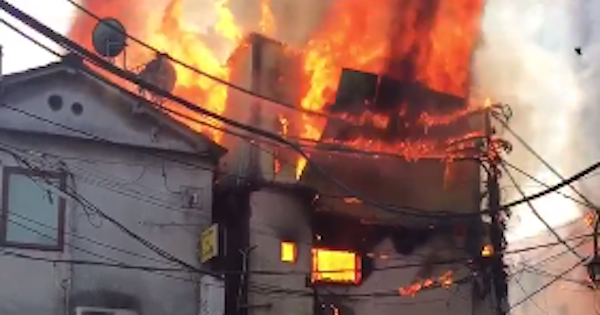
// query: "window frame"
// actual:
[[358, 270], [7, 172]]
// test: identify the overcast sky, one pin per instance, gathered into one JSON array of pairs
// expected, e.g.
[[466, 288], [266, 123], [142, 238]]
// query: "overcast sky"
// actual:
[[19, 53]]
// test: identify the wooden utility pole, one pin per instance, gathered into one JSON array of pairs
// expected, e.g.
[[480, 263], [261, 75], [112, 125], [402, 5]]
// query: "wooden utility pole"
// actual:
[[496, 229]]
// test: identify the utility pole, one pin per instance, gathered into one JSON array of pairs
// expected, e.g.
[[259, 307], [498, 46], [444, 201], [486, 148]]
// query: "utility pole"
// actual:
[[496, 229]]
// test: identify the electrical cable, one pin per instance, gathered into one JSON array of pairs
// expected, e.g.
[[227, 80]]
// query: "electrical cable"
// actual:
[[541, 159], [105, 65], [537, 214], [82, 237], [554, 188], [4, 3], [116, 188], [88, 205], [545, 286], [89, 262], [270, 234], [539, 308], [285, 290], [531, 177], [61, 40], [202, 73], [554, 256], [543, 273], [205, 74], [403, 266]]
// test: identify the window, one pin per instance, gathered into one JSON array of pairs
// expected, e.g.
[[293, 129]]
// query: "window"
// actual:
[[32, 212], [335, 266], [289, 252]]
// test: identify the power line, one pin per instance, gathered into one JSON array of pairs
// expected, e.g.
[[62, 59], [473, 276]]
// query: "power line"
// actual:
[[403, 266], [539, 272], [531, 177], [541, 159], [554, 188], [74, 47], [518, 282], [545, 286], [537, 214], [78, 236], [202, 73], [88, 205], [550, 258], [132, 78]]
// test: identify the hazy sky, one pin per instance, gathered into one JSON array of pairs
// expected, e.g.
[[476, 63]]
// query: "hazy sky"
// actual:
[[19, 53]]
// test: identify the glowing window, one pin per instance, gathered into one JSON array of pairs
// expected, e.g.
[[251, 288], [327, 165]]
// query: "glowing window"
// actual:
[[335, 266], [288, 252]]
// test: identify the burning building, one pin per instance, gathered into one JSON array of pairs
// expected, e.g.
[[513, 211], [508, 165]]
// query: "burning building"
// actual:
[[309, 246], [380, 105]]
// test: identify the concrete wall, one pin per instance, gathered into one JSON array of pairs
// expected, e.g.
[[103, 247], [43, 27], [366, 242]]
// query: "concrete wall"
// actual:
[[106, 112], [278, 214], [140, 191]]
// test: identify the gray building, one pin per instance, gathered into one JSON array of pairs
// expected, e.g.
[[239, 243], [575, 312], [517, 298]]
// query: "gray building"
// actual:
[[73, 144], [309, 248]]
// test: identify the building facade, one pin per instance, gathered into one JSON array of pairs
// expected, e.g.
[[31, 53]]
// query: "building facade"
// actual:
[[76, 150], [305, 246]]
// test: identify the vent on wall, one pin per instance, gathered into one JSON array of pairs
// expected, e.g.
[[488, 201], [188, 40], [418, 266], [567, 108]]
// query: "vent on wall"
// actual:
[[83, 310]]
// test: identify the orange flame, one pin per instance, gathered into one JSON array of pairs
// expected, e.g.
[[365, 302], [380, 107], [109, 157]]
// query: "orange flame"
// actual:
[[445, 281], [168, 32], [226, 24], [430, 45], [267, 20], [433, 45]]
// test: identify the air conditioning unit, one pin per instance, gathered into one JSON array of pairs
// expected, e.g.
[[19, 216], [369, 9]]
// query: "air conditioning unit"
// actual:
[[92, 310]]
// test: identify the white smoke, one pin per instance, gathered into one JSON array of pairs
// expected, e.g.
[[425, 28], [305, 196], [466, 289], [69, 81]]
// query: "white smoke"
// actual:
[[528, 60]]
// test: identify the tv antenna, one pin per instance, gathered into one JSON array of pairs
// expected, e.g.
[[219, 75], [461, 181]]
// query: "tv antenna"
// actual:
[[109, 39]]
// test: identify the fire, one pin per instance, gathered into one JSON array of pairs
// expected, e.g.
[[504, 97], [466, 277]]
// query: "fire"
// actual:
[[168, 32], [414, 41], [428, 44], [179, 40], [226, 24], [336, 266], [446, 280], [267, 20]]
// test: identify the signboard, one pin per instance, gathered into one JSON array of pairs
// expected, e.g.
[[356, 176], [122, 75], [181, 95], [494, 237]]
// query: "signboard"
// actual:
[[209, 243]]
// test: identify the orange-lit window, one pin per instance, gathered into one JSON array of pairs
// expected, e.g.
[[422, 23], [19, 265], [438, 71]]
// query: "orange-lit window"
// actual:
[[288, 252], [335, 266]]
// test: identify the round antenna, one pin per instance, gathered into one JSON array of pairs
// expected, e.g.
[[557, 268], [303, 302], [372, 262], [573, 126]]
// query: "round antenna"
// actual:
[[109, 37], [160, 72]]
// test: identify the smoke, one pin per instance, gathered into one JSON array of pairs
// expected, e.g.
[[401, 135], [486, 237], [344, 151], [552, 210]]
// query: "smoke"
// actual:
[[295, 21], [527, 59]]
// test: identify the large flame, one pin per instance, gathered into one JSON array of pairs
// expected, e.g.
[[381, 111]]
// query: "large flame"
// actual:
[[168, 32], [418, 41], [427, 42]]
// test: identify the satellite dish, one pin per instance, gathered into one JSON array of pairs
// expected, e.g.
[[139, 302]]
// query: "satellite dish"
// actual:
[[160, 72], [109, 37]]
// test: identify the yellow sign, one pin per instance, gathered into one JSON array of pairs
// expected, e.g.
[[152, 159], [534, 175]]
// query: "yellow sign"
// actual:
[[209, 245]]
